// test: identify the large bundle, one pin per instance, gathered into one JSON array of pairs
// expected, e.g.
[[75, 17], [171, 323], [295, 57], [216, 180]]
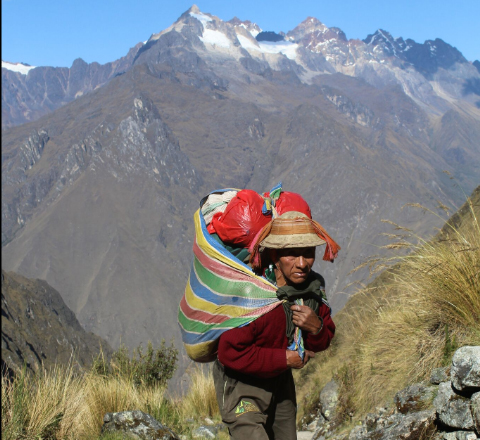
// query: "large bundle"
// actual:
[[222, 293]]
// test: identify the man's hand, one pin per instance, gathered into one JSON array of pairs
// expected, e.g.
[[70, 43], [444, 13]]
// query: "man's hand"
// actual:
[[295, 361], [305, 318]]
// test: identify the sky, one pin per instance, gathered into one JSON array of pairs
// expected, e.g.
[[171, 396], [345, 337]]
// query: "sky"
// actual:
[[56, 32]]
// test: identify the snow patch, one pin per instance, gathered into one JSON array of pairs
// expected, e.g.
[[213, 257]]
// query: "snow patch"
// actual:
[[204, 19], [215, 38], [284, 47], [247, 43], [17, 67]]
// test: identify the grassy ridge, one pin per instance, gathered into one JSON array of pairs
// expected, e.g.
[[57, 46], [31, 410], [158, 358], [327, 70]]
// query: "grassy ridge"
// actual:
[[409, 320]]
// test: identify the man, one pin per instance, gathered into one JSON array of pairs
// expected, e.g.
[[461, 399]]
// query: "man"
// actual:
[[253, 377]]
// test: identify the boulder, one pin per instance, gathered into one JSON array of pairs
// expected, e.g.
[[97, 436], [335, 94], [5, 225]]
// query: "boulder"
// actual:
[[439, 375], [411, 426], [329, 399], [453, 410], [475, 405], [466, 368], [323, 428], [205, 432], [414, 398], [456, 435], [137, 425]]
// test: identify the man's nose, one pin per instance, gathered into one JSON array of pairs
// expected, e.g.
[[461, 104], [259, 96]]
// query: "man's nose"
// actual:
[[301, 262]]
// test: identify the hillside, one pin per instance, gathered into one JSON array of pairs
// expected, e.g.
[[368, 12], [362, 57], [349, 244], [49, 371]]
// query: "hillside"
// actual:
[[38, 328], [406, 322]]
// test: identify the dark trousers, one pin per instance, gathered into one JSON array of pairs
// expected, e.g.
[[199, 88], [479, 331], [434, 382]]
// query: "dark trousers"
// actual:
[[256, 408]]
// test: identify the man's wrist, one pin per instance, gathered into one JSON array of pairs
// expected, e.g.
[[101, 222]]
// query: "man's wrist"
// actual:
[[321, 327]]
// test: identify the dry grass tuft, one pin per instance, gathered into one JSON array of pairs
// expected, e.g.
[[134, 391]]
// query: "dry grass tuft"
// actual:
[[201, 400], [46, 405]]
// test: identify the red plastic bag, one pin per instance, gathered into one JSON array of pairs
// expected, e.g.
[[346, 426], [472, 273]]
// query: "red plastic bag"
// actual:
[[289, 201], [242, 219]]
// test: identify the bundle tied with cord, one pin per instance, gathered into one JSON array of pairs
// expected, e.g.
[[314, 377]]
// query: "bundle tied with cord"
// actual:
[[228, 286]]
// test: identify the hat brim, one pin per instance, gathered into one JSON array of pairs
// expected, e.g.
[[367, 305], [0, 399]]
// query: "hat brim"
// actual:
[[291, 241]]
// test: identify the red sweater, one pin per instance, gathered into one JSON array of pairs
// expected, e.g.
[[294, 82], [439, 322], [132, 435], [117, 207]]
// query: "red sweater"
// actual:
[[259, 348]]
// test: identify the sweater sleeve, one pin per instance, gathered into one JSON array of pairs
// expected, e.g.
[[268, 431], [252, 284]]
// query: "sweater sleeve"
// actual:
[[321, 341], [237, 350]]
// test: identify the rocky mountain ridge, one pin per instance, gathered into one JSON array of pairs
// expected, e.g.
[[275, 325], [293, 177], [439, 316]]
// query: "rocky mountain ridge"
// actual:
[[28, 94], [380, 59]]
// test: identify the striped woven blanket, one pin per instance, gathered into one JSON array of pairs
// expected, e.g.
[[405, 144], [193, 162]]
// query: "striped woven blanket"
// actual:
[[222, 293]]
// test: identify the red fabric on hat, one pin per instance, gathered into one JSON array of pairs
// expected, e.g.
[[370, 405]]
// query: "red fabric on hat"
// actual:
[[290, 201]]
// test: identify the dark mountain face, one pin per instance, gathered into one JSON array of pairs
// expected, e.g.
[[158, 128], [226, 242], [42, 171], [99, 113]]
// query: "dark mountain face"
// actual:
[[37, 327], [98, 196], [426, 58], [476, 64], [269, 36]]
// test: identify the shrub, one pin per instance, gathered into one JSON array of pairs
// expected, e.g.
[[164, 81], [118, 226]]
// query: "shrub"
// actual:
[[153, 367]]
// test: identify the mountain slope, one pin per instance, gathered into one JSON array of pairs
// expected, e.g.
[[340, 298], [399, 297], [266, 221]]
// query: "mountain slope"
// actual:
[[38, 328]]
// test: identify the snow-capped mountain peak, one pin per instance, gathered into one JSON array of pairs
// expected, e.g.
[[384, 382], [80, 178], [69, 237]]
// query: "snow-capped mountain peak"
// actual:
[[17, 67], [253, 28]]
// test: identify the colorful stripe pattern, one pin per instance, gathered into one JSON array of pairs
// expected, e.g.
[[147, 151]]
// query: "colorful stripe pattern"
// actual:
[[222, 293]]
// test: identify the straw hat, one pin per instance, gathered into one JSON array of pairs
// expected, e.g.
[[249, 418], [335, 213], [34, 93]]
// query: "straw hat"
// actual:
[[292, 229]]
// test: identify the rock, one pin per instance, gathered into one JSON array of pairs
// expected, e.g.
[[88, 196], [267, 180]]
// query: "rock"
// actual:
[[464, 435], [329, 399], [357, 433], [323, 430], [209, 421], [205, 432], [475, 406], [453, 410], [466, 368], [456, 435], [439, 375], [137, 425], [414, 398], [397, 427]]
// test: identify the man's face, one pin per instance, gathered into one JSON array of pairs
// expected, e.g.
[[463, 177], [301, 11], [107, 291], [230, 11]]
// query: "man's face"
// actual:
[[295, 263]]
